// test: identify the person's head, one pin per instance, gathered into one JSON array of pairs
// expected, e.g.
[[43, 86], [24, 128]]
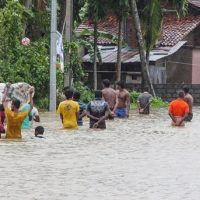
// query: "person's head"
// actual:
[[98, 94], [69, 93], [186, 89], [39, 130], [106, 83], [120, 85], [146, 89], [181, 94], [67, 88], [1, 108], [76, 95], [15, 105]]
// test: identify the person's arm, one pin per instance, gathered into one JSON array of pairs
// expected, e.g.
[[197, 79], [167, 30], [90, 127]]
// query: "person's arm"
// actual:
[[128, 103], [172, 117], [83, 114], [116, 102], [61, 117], [4, 102], [102, 118], [91, 116], [183, 118], [37, 118], [31, 90]]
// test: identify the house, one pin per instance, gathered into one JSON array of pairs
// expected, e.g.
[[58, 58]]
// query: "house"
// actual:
[[175, 60]]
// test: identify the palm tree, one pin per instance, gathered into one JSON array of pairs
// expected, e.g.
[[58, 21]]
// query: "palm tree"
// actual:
[[121, 10], [151, 20], [146, 80], [97, 10], [152, 23]]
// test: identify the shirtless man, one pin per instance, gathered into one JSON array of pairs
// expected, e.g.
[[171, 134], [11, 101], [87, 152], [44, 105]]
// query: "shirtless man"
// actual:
[[189, 100], [123, 101], [110, 96]]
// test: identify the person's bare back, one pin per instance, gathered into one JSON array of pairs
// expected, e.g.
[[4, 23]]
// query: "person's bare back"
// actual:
[[189, 99], [109, 95]]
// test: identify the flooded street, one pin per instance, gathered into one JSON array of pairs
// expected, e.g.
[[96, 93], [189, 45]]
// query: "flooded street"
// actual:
[[142, 158]]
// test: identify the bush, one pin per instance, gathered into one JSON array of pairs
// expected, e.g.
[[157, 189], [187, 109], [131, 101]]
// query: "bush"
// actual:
[[157, 102], [86, 94]]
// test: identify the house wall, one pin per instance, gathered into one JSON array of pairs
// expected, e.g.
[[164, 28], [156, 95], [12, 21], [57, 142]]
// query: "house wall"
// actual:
[[196, 56], [196, 66], [158, 72], [179, 66]]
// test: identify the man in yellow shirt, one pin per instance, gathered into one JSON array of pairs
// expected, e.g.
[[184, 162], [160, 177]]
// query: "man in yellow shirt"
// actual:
[[14, 117], [69, 111]]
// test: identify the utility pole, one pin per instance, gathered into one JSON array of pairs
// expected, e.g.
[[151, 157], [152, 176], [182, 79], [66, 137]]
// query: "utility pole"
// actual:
[[68, 37], [52, 96]]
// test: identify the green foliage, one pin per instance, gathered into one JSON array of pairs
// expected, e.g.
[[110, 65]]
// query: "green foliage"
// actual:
[[19, 63], [72, 50], [181, 6], [86, 94], [42, 104], [121, 8], [134, 96], [157, 102], [152, 19]]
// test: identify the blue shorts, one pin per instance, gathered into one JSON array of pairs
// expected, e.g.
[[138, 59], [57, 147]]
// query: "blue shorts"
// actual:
[[121, 112]]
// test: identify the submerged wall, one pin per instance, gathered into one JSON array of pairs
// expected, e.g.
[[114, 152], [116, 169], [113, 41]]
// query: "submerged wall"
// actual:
[[168, 92]]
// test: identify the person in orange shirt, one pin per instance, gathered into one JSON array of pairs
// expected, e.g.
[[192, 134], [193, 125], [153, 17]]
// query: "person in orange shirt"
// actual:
[[178, 110], [14, 117]]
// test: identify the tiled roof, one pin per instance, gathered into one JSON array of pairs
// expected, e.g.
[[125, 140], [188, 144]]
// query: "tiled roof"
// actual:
[[175, 30], [109, 25], [195, 3]]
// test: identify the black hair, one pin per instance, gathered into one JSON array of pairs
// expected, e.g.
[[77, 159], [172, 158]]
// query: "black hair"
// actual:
[[39, 130], [181, 94], [106, 83], [121, 84], [146, 89], [76, 95], [69, 93], [186, 89], [16, 103], [67, 88], [98, 94], [2, 108]]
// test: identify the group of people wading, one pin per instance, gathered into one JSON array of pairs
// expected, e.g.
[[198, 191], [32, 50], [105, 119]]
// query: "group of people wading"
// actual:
[[109, 103], [18, 116]]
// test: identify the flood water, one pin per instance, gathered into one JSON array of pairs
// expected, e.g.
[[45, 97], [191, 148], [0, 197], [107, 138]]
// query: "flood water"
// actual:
[[142, 158]]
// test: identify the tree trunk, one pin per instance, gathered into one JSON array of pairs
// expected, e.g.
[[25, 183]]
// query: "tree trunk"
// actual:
[[62, 15], [144, 65], [28, 4], [95, 55], [119, 52], [68, 25]]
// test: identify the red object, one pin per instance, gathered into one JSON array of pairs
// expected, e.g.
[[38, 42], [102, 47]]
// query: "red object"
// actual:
[[2, 120]]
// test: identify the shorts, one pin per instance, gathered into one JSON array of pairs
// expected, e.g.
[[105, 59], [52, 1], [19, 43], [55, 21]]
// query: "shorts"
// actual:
[[189, 117], [121, 112]]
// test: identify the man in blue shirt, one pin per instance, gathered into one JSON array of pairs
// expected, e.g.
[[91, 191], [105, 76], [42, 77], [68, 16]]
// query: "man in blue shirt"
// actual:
[[82, 112]]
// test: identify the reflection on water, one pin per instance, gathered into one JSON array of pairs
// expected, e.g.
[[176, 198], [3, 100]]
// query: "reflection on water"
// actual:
[[142, 158]]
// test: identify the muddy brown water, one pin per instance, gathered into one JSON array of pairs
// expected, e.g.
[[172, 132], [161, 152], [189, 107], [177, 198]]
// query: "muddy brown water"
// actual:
[[142, 158]]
